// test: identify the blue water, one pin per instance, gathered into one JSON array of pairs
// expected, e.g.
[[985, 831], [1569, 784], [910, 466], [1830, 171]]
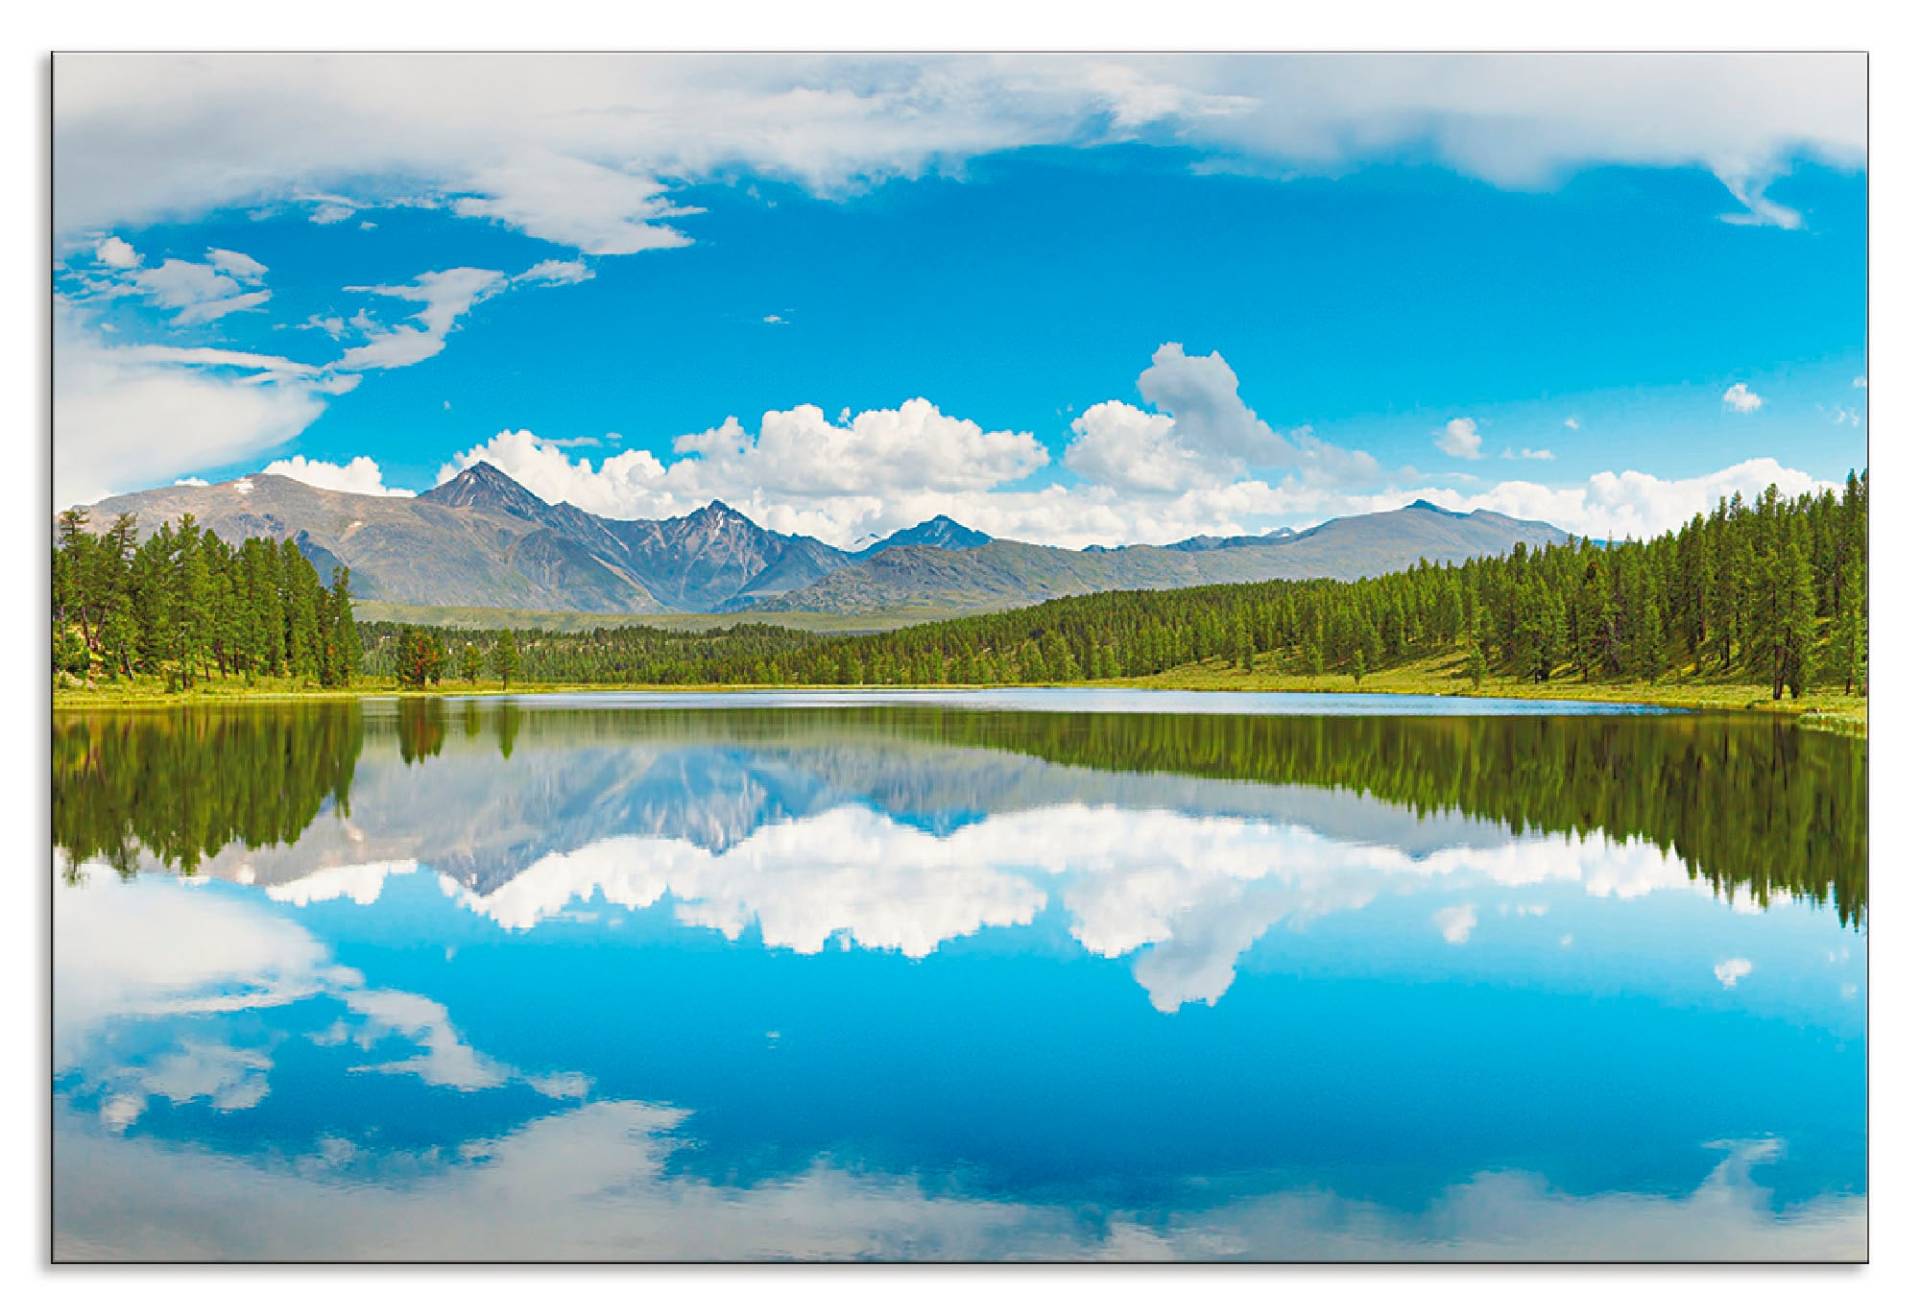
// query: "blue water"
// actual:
[[614, 988], [1081, 698]]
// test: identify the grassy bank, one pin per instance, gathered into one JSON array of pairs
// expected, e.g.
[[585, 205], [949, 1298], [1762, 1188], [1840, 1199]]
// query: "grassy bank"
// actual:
[[1446, 674], [149, 692], [1825, 710]]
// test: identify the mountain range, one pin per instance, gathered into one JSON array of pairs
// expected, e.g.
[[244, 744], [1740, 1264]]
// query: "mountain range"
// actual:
[[483, 540]]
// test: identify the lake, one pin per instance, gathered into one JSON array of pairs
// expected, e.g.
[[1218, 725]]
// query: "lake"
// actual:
[[1052, 975]]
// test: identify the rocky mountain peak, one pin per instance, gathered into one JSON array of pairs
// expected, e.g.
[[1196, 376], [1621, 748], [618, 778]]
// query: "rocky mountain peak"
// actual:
[[485, 486]]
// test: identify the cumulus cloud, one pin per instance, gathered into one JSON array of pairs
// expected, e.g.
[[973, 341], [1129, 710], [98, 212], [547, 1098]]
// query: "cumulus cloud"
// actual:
[[799, 469], [359, 475], [1199, 434], [1122, 447], [1742, 399], [1185, 897], [862, 488], [444, 295], [1729, 971], [910, 447], [579, 152], [1460, 438], [1571, 422], [1613, 504], [116, 253], [625, 485]]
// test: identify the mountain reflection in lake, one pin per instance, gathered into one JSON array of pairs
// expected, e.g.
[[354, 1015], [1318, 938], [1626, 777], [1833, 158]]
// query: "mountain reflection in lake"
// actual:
[[590, 979]]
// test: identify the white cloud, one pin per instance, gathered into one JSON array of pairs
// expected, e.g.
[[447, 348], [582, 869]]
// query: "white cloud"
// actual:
[[152, 950], [799, 469], [236, 263], [554, 273], [1572, 422], [442, 1058], [772, 319], [1748, 188], [1742, 399], [852, 871], [444, 296], [1614, 505], [578, 152], [625, 485], [359, 475], [595, 1182], [159, 354], [116, 253], [1456, 923], [1184, 896], [575, 202], [207, 311], [190, 482], [1460, 438], [155, 950], [1120, 446], [330, 209], [1527, 454], [848, 483], [1859, 381], [1199, 434], [200, 293], [1730, 971], [359, 882], [132, 417]]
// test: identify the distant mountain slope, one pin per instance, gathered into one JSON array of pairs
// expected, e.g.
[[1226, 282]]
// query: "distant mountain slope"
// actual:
[[481, 540], [1208, 542], [939, 532], [1006, 574]]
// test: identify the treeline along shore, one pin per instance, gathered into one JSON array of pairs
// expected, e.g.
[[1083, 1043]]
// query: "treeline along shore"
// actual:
[[1770, 593]]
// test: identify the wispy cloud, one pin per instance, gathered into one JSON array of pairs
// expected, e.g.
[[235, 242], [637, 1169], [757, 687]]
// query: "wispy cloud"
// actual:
[[444, 296], [582, 150]]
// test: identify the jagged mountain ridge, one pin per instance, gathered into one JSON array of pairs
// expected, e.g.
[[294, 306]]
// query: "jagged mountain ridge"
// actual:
[[1005, 574], [481, 539]]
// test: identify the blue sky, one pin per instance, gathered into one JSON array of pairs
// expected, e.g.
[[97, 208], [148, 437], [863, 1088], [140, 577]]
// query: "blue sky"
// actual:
[[1574, 316]]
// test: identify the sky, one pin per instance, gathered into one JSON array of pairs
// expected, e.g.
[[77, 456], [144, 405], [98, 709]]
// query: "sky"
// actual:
[[1066, 299]]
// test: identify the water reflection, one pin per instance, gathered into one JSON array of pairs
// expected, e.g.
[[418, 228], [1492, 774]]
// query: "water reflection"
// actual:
[[492, 980]]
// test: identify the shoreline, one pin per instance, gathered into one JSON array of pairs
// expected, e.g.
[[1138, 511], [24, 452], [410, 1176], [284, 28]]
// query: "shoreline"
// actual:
[[1835, 715]]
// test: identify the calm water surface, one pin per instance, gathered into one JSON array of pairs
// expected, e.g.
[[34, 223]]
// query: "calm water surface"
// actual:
[[1046, 975]]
